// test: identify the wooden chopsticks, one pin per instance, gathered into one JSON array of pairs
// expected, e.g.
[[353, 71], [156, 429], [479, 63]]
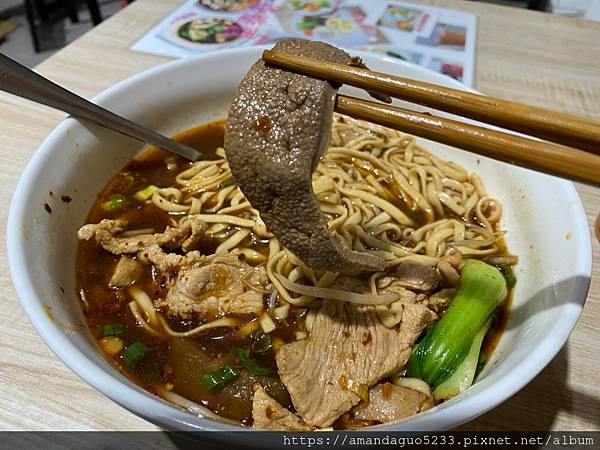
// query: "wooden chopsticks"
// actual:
[[533, 154], [577, 159]]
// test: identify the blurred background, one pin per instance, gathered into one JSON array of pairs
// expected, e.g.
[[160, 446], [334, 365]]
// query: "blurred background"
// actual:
[[32, 30]]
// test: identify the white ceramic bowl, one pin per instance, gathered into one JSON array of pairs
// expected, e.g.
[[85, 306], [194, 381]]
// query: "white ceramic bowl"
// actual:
[[543, 215]]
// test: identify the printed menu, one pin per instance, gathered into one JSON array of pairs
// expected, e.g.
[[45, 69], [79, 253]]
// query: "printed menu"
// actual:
[[438, 38]]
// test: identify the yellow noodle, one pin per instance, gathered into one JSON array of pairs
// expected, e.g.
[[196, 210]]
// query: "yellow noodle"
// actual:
[[225, 218], [336, 294], [144, 302], [232, 241], [162, 198], [135, 311], [392, 210], [363, 166], [218, 323]]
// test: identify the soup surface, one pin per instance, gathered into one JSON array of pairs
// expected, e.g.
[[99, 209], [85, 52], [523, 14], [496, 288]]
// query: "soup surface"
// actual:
[[220, 367]]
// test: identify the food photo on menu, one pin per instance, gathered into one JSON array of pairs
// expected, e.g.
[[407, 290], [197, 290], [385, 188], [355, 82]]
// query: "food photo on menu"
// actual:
[[298, 223], [418, 34]]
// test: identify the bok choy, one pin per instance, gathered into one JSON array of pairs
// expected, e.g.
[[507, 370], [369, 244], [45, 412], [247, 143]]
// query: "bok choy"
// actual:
[[446, 346], [464, 375]]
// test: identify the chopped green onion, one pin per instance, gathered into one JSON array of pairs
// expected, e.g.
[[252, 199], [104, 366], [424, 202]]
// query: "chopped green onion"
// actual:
[[250, 364], [226, 183], [145, 193], [219, 377], [133, 354], [111, 329], [446, 345], [508, 274], [114, 203]]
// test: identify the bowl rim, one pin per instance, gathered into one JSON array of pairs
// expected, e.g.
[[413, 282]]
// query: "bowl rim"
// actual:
[[167, 415]]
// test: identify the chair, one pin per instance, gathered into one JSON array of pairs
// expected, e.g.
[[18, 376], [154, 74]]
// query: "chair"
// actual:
[[50, 10], [537, 5]]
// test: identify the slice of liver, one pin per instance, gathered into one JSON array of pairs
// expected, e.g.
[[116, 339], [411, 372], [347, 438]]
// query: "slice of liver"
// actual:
[[278, 128]]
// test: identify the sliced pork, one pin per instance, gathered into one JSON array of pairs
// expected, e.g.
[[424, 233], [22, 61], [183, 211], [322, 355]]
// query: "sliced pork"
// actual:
[[127, 271], [388, 402], [417, 276], [268, 414], [348, 350], [108, 234], [449, 267], [198, 286], [216, 285], [440, 300]]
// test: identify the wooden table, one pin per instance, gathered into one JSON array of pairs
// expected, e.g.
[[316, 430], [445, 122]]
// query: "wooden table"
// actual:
[[531, 57]]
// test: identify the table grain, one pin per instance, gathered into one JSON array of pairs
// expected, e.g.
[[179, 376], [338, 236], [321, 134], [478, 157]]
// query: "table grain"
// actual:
[[532, 57]]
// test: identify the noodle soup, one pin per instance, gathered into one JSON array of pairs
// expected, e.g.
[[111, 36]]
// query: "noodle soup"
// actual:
[[380, 192]]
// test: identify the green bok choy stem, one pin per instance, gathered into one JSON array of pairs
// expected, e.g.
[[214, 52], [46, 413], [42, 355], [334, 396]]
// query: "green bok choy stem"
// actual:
[[445, 346], [464, 375]]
